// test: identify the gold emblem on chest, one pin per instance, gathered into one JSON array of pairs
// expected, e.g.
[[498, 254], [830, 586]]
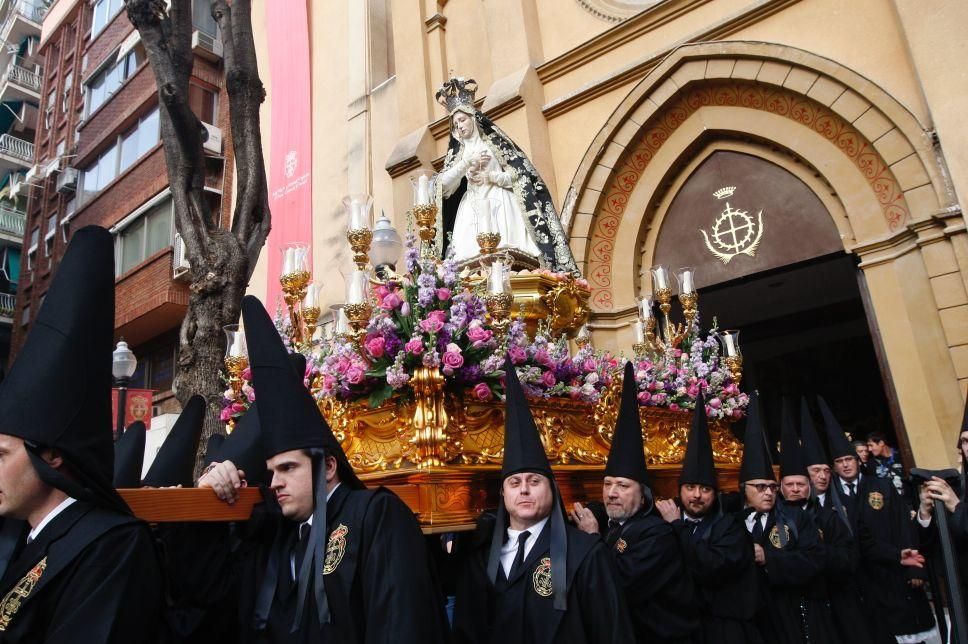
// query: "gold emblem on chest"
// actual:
[[335, 548], [18, 594], [621, 545], [775, 536], [876, 500], [542, 578]]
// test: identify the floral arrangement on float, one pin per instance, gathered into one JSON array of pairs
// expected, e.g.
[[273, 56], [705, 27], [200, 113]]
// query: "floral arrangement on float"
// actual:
[[416, 349]]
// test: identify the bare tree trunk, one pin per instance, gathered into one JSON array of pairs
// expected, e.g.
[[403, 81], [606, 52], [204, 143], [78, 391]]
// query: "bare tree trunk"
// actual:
[[221, 260]]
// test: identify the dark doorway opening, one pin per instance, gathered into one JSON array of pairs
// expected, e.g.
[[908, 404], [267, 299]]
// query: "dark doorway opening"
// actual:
[[804, 332]]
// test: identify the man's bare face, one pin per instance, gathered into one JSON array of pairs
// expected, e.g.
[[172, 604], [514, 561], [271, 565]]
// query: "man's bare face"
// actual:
[[292, 481], [527, 498], [846, 467], [795, 488], [696, 499], [819, 477], [21, 490]]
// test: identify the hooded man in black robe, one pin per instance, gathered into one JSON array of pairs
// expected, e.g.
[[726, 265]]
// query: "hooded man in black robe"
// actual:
[[826, 506], [658, 587], [344, 564], [532, 578], [88, 570], [786, 545], [891, 575], [795, 489], [716, 547]]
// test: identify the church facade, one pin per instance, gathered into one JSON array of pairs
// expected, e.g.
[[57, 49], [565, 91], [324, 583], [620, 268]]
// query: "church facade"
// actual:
[[807, 157]]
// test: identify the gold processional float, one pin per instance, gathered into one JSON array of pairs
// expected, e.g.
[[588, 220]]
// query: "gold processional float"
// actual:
[[408, 371]]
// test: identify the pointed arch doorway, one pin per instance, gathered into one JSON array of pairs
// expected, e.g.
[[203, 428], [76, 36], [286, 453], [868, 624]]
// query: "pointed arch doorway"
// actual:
[[765, 234]]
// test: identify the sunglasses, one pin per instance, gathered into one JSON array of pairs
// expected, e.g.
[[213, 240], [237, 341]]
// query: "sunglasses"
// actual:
[[763, 487]]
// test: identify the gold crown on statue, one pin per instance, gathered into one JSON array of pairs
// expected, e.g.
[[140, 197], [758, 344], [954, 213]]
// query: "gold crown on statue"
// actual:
[[457, 92]]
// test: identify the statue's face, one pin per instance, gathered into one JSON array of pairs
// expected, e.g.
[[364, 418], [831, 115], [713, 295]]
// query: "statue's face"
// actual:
[[463, 125]]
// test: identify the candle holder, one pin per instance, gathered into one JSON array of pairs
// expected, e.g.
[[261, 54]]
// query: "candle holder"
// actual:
[[650, 338], [674, 333], [424, 209], [294, 281], [584, 337], [359, 240], [735, 366], [485, 223], [236, 361], [488, 242], [359, 226], [690, 307], [359, 318], [499, 312], [733, 357]]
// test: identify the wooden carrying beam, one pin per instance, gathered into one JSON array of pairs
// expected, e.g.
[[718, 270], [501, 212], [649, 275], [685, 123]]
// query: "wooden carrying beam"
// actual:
[[188, 504]]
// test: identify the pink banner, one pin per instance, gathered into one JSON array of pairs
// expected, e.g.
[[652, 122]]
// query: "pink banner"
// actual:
[[290, 175]]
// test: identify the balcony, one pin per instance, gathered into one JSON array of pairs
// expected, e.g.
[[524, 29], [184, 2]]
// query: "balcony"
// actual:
[[15, 153], [21, 81], [22, 18], [12, 224], [7, 303]]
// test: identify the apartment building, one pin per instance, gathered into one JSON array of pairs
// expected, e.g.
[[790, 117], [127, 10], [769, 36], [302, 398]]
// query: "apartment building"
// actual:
[[98, 159]]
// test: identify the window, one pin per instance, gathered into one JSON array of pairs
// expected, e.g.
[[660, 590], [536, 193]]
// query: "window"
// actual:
[[104, 11], [66, 93], [204, 103], [149, 233], [69, 208], [32, 250], [25, 315], [49, 110], [106, 81], [202, 18], [49, 237], [126, 149]]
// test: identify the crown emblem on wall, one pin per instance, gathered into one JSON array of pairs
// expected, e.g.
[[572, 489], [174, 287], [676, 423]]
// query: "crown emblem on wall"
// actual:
[[727, 191], [457, 92]]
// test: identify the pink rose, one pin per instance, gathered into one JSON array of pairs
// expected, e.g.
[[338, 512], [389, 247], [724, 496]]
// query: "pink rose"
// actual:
[[226, 415], [381, 291], [415, 346], [431, 325], [715, 403], [354, 375], [482, 392], [737, 413], [644, 397], [247, 374], [693, 391], [517, 354], [548, 379], [731, 389], [542, 357], [238, 408], [391, 300], [443, 294], [375, 346], [677, 353], [589, 365], [440, 316], [674, 407], [452, 359], [249, 393], [477, 333], [329, 382]]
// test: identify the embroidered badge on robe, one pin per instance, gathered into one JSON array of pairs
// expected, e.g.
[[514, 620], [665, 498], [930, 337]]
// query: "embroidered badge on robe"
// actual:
[[542, 578], [335, 548], [775, 536], [19, 593], [621, 545], [876, 500]]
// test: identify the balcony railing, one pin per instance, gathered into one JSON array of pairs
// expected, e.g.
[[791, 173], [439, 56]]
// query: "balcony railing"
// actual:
[[12, 146], [20, 75], [31, 10], [12, 221], [7, 303]]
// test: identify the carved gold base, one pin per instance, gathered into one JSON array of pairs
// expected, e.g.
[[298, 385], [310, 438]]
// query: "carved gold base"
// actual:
[[563, 305], [449, 475]]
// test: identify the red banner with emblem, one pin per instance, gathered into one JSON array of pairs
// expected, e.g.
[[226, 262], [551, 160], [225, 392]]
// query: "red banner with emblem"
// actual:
[[137, 406]]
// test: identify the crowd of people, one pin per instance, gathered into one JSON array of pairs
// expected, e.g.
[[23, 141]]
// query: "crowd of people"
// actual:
[[826, 552]]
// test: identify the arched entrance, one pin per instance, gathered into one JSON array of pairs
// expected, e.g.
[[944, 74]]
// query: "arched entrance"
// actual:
[[863, 156]]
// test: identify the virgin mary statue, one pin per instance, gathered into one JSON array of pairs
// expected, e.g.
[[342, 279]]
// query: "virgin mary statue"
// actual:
[[483, 163]]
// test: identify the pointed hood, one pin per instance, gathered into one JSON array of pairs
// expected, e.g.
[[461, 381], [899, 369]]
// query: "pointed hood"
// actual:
[[175, 462], [523, 452], [243, 447], [757, 463], [68, 355], [813, 451], [837, 440], [698, 466], [626, 458], [791, 454], [129, 456]]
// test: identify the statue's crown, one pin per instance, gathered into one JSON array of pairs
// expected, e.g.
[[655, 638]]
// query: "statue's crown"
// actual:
[[457, 92]]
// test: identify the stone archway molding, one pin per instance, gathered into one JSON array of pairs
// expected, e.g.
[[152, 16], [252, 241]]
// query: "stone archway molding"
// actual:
[[883, 141]]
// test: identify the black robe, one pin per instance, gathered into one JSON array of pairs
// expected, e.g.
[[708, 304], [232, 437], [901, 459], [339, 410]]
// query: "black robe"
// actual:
[[658, 588], [882, 527], [841, 559], [790, 611], [379, 582], [99, 582], [514, 612], [931, 546], [719, 554]]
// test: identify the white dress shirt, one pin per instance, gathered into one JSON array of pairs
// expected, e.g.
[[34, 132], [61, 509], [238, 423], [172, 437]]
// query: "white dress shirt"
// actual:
[[752, 517], [510, 549], [63, 505], [822, 497], [845, 485]]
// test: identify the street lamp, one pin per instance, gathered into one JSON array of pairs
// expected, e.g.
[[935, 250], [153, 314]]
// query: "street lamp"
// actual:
[[122, 368]]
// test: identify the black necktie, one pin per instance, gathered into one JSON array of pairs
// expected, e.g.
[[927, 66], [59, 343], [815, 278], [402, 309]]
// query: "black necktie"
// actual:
[[519, 556], [614, 529], [757, 527], [851, 489], [299, 548]]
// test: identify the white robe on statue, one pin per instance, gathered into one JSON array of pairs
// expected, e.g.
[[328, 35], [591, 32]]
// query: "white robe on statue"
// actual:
[[497, 185]]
